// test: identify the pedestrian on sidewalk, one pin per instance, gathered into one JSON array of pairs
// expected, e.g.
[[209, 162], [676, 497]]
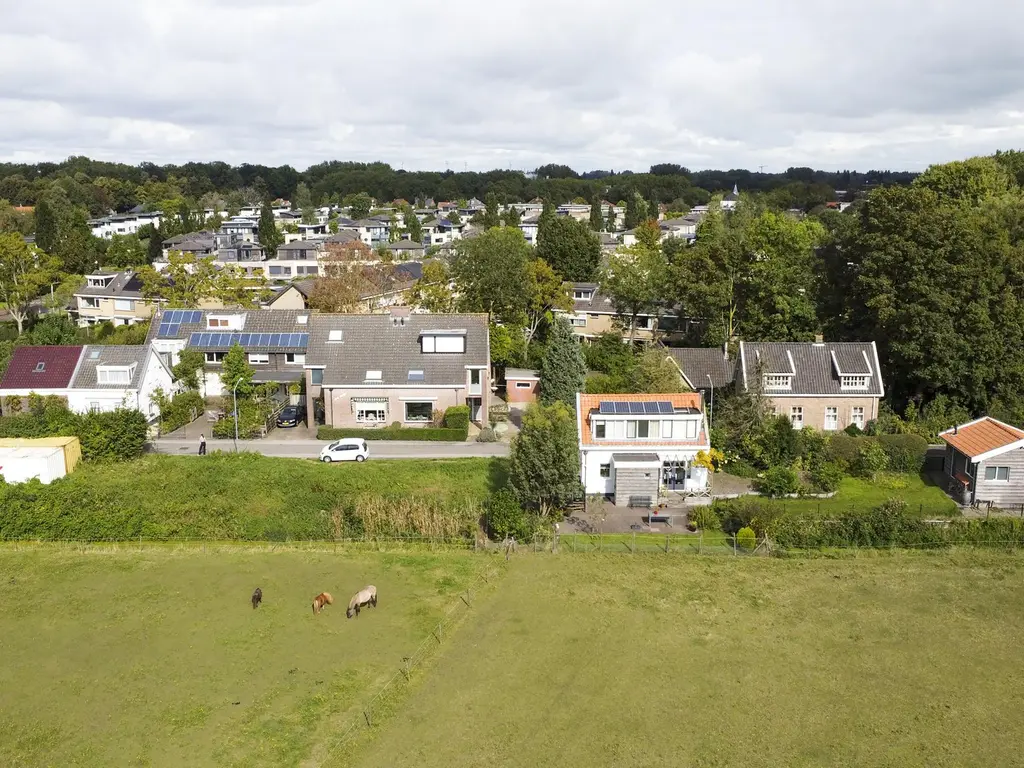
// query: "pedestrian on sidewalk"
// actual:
[[202, 445]]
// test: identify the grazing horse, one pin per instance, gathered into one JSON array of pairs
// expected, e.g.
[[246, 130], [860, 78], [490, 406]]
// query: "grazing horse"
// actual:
[[365, 596], [324, 598], [257, 597]]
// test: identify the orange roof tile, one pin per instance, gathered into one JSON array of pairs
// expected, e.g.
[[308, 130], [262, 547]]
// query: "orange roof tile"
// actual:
[[981, 436], [590, 403]]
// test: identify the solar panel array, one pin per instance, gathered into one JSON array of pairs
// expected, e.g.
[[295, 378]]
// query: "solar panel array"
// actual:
[[288, 340], [170, 323], [619, 407]]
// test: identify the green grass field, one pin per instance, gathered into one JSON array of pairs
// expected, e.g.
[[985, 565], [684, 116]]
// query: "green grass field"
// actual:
[[863, 494], [157, 658], [619, 660]]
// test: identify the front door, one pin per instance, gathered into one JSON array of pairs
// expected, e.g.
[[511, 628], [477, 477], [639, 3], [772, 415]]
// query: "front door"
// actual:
[[475, 405]]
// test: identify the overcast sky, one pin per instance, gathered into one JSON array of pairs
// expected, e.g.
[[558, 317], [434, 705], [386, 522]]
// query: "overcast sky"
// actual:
[[895, 84]]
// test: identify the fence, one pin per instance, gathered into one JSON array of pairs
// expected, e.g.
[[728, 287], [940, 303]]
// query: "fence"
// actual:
[[375, 710]]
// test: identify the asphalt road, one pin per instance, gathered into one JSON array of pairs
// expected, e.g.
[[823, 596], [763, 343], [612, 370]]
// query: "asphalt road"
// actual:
[[310, 449]]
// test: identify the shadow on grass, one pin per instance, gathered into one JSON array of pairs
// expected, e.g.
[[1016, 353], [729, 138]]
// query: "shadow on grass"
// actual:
[[497, 474]]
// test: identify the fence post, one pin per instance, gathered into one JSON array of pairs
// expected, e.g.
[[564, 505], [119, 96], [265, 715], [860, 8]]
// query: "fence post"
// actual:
[[668, 537], [600, 542], [734, 550], [700, 543], [633, 548], [574, 534]]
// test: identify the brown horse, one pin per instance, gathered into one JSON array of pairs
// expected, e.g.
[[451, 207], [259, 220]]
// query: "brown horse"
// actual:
[[257, 598], [324, 598]]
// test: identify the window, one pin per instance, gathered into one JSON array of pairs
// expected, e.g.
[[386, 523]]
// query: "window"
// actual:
[[599, 430], [443, 344], [645, 323], [336, 336], [124, 305], [666, 429], [214, 357], [373, 376], [294, 358], [582, 295], [522, 385], [259, 358], [90, 303], [216, 322], [108, 375], [474, 376], [578, 321], [854, 382], [416, 376], [40, 367], [371, 414], [422, 412], [316, 376], [302, 319], [778, 381], [643, 428], [630, 430], [857, 416], [606, 470], [275, 270], [831, 418], [94, 407], [1001, 474], [690, 430], [796, 417]]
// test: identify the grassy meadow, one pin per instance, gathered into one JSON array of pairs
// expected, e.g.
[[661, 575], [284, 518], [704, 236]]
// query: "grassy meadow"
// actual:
[[619, 660], [157, 657]]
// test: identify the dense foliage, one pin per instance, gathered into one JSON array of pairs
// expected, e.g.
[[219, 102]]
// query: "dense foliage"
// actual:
[[111, 436], [423, 434], [544, 461]]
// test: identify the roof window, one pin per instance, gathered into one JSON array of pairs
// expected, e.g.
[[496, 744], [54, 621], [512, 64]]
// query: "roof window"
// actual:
[[40, 367]]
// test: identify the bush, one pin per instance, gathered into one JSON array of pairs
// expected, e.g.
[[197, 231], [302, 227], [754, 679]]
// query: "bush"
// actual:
[[778, 481], [457, 417], [252, 417], [705, 518], [177, 411], [906, 452], [499, 412], [487, 435], [746, 539], [112, 436], [845, 450], [506, 517], [427, 434], [827, 477], [853, 430], [741, 468], [872, 459]]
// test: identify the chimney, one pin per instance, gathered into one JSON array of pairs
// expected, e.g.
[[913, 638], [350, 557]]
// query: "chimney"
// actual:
[[956, 429], [725, 350], [399, 316], [819, 339]]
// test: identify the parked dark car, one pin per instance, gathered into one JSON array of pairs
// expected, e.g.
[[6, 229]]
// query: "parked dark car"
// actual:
[[291, 416]]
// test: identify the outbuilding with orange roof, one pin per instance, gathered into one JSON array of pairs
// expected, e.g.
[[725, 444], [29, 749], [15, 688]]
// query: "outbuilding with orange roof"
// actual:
[[985, 462]]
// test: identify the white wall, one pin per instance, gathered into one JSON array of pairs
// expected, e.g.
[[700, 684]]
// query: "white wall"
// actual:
[[81, 400], [155, 376], [591, 461]]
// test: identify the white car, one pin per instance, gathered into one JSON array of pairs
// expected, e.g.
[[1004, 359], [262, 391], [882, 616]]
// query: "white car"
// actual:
[[346, 449]]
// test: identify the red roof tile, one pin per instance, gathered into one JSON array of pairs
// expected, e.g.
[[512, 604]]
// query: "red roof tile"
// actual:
[[981, 436], [58, 367]]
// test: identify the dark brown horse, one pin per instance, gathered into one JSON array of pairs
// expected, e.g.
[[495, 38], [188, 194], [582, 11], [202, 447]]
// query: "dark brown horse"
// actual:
[[257, 598]]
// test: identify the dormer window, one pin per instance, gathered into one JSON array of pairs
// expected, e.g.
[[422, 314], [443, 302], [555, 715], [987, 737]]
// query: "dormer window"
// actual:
[[373, 376], [583, 295], [442, 342], [233, 322], [115, 374], [777, 381], [855, 382]]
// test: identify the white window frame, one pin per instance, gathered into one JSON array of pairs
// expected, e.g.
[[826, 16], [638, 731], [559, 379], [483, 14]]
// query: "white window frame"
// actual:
[[90, 302], [103, 374], [855, 381], [691, 429], [777, 381], [373, 377], [217, 323], [336, 337], [578, 321], [259, 358], [831, 418], [857, 416], [604, 470], [666, 429], [294, 358], [430, 413], [214, 357], [124, 305], [379, 410], [996, 471], [796, 417], [523, 385]]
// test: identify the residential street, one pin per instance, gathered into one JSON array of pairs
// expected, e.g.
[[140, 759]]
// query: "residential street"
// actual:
[[310, 449]]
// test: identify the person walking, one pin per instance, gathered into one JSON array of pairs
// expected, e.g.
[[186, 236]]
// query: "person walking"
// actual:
[[202, 445]]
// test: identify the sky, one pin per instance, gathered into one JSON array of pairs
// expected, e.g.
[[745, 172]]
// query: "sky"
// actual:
[[875, 84]]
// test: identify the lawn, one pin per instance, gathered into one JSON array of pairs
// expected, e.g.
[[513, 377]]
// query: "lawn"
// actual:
[[247, 496], [861, 493], [637, 660], [157, 657]]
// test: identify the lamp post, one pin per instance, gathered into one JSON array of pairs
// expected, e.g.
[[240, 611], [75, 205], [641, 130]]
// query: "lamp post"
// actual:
[[234, 399], [711, 411]]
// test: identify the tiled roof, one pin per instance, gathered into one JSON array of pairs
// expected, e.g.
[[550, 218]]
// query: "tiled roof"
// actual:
[[589, 405], [298, 245], [58, 367], [698, 363], [981, 436], [812, 366], [375, 342], [256, 321], [94, 356], [127, 285], [406, 245]]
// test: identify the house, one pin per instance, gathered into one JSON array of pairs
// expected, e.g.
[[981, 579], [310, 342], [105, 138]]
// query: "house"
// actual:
[[984, 462], [371, 231], [521, 385], [89, 378], [730, 201], [406, 249], [827, 386], [684, 228], [441, 231], [390, 286], [530, 227], [593, 314], [241, 253], [274, 340], [297, 259], [635, 446], [241, 228], [124, 224], [292, 296], [704, 369], [114, 297], [373, 370], [578, 211], [199, 244]]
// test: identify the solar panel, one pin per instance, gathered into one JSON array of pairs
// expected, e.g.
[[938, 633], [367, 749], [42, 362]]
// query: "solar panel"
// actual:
[[264, 339], [303, 340], [164, 330], [606, 407], [622, 407], [197, 315], [666, 407], [173, 329], [275, 339], [651, 408], [295, 340], [636, 407]]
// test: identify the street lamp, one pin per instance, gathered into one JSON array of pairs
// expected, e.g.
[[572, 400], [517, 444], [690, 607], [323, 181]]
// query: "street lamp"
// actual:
[[711, 411], [234, 398]]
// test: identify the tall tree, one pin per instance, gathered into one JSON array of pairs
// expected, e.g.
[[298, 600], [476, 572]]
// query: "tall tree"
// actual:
[[596, 220], [544, 460], [432, 291], [613, 218], [490, 274], [570, 248], [25, 273], [512, 217], [185, 282], [125, 251], [340, 287], [547, 216], [413, 226], [491, 215], [547, 293], [634, 280], [234, 288], [302, 200], [154, 246], [562, 369], [636, 210], [270, 236], [359, 205], [235, 372], [57, 329], [653, 208], [46, 226]]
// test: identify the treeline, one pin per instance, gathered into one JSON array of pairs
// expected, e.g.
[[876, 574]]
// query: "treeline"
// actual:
[[99, 187]]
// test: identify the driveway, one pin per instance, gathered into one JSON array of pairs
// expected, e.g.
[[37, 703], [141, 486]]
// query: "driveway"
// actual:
[[298, 447]]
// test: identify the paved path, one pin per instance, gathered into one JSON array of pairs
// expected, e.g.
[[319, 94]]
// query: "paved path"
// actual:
[[310, 449]]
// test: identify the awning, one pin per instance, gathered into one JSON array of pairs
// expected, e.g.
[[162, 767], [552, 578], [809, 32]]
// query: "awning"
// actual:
[[363, 402], [962, 478], [636, 459], [280, 377]]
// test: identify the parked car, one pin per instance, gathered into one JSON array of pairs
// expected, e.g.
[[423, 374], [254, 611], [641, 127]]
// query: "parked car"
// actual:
[[291, 416], [346, 449]]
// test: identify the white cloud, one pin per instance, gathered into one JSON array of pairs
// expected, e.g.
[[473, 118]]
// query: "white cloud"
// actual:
[[603, 84]]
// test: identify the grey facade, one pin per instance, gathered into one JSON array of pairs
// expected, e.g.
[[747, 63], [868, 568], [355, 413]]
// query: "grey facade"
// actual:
[[998, 480]]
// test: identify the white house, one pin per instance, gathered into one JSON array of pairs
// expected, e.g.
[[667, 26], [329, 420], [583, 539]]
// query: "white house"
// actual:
[[124, 224], [632, 447], [530, 227], [729, 201]]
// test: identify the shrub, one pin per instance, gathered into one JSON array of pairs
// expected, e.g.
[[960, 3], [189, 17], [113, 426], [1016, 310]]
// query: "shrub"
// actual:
[[845, 449], [746, 538], [506, 517], [499, 412], [176, 412], [778, 481], [113, 436], [827, 477], [487, 435], [853, 430], [252, 417], [741, 468], [705, 518], [872, 459], [12, 404], [457, 417], [906, 452], [425, 434]]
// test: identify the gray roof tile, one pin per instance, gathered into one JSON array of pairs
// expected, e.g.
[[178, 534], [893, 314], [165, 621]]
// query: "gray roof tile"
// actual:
[[814, 372], [94, 356], [127, 285], [698, 363]]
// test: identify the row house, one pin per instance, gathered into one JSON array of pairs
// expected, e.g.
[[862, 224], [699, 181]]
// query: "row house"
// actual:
[[298, 259], [441, 232], [593, 314], [112, 297], [124, 224]]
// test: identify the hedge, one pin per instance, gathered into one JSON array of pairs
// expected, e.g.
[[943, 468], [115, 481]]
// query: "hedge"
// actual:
[[109, 436], [906, 452], [429, 434], [457, 417]]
